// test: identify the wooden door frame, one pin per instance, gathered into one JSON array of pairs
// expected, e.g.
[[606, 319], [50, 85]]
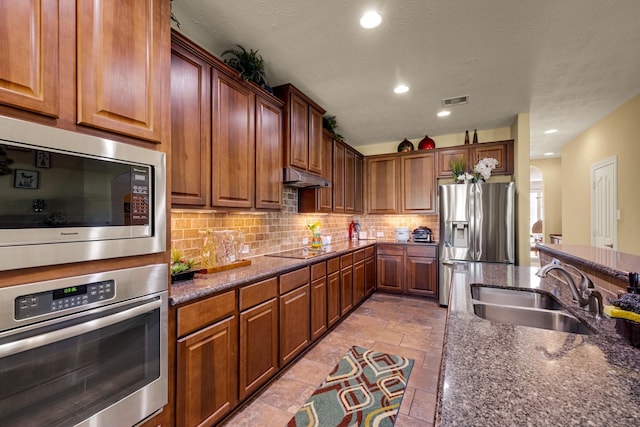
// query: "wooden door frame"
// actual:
[[613, 160]]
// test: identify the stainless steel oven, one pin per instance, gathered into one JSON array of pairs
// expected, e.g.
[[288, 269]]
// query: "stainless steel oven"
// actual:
[[87, 350]]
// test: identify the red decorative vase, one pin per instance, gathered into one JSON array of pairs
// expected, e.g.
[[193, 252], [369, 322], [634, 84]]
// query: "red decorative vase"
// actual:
[[427, 144]]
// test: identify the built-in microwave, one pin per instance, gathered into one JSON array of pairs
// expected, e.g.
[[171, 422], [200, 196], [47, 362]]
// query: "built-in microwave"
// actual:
[[70, 197]]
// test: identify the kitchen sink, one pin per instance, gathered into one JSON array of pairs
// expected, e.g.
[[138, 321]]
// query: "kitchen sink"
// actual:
[[514, 297], [525, 308]]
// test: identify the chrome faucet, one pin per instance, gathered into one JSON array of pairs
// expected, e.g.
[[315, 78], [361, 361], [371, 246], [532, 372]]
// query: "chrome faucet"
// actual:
[[584, 294]]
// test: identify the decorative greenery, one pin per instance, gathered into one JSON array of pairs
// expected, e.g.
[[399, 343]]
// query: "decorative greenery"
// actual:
[[331, 124], [249, 64], [457, 166], [481, 171], [179, 263]]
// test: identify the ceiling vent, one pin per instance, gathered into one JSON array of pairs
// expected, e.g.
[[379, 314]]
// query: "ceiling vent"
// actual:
[[458, 100]]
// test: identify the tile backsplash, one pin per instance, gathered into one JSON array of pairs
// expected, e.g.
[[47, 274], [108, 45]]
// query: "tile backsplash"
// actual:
[[268, 232]]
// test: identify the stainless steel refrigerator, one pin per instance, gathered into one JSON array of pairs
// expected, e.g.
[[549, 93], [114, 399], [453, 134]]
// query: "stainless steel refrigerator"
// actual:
[[477, 223]]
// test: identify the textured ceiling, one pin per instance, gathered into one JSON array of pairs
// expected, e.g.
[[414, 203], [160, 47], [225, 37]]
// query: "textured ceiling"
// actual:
[[568, 63]]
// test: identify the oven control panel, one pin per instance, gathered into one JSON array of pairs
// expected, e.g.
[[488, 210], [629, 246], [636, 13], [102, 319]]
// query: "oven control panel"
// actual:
[[61, 299]]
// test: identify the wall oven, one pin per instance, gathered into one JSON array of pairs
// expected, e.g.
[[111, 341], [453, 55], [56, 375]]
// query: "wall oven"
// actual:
[[73, 197], [87, 350]]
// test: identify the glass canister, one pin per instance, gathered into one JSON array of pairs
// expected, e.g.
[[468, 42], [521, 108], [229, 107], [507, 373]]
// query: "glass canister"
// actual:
[[208, 255]]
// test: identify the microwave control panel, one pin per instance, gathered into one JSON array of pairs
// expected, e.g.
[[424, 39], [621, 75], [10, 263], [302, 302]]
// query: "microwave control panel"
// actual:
[[27, 306], [140, 188]]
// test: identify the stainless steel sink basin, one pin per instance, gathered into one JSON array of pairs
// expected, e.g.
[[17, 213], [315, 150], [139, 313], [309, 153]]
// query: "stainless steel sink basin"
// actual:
[[514, 297], [525, 308]]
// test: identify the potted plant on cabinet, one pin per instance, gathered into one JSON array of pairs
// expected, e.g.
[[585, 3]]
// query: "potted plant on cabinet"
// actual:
[[249, 64], [181, 268]]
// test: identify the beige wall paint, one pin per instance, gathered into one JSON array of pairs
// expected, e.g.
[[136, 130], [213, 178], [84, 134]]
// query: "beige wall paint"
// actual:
[[552, 195], [520, 134], [488, 135], [614, 135]]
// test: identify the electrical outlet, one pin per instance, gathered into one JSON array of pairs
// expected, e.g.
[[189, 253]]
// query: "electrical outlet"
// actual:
[[245, 249], [305, 241], [380, 234]]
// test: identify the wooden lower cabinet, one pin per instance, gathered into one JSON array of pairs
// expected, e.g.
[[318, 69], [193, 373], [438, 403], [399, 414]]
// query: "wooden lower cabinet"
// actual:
[[333, 298], [369, 275], [346, 283], [358, 282], [318, 300], [408, 269], [258, 346], [207, 377], [294, 323]]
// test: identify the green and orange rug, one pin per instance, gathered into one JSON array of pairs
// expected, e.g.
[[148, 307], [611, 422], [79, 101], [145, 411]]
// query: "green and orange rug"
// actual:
[[364, 389]]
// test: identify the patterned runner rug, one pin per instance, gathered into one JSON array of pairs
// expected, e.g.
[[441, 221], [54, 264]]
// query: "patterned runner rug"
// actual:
[[364, 389]]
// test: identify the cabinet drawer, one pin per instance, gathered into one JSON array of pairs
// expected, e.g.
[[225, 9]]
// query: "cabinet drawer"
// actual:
[[318, 270], [390, 250], [422, 251], [295, 279], [346, 260], [333, 265], [202, 313], [370, 251], [358, 255], [258, 293]]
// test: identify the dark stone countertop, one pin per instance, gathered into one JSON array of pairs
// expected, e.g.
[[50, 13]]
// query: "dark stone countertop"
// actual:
[[503, 375], [606, 261], [262, 267]]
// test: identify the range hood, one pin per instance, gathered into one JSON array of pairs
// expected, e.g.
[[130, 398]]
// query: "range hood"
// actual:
[[297, 178]]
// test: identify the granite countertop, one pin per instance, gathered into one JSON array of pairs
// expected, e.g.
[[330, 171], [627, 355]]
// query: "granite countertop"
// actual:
[[262, 267], [606, 261], [503, 375]]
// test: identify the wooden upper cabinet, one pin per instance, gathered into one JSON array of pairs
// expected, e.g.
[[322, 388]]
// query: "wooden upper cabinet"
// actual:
[[302, 129], [338, 182], [325, 197], [29, 70], [121, 68], [418, 183], [384, 175], [298, 147], [502, 151], [315, 141], [349, 181], [190, 127], [446, 155], [358, 184], [268, 154], [233, 143]]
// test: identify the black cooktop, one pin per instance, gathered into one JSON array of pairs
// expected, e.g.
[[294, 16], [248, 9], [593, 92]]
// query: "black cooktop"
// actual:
[[301, 253]]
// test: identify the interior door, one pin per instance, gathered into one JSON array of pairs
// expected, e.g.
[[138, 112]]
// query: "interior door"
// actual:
[[604, 203]]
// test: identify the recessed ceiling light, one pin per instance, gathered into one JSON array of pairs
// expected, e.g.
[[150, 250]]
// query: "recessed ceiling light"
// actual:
[[401, 89], [370, 19], [549, 153], [444, 113], [550, 131]]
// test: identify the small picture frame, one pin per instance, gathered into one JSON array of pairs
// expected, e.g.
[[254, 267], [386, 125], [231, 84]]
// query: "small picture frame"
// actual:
[[43, 159], [27, 179]]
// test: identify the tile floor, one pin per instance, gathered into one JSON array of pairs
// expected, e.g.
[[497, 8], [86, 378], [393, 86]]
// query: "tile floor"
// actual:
[[410, 327]]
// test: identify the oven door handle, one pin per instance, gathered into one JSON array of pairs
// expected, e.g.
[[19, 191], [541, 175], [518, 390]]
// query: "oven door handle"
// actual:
[[30, 343]]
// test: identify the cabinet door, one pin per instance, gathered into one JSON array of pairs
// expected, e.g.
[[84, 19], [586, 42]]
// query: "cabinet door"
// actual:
[[190, 128], [418, 183], [318, 308], [349, 181], [346, 289], [298, 144], [359, 187], [421, 276], [446, 155], [358, 282], [338, 177], [502, 151], [294, 323], [333, 298], [29, 69], [122, 68], [325, 201], [390, 272], [369, 275], [268, 155], [207, 382], [315, 141], [233, 143], [258, 346], [382, 191]]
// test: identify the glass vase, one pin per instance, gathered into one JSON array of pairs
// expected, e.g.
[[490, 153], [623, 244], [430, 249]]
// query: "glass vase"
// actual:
[[316, 240]]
